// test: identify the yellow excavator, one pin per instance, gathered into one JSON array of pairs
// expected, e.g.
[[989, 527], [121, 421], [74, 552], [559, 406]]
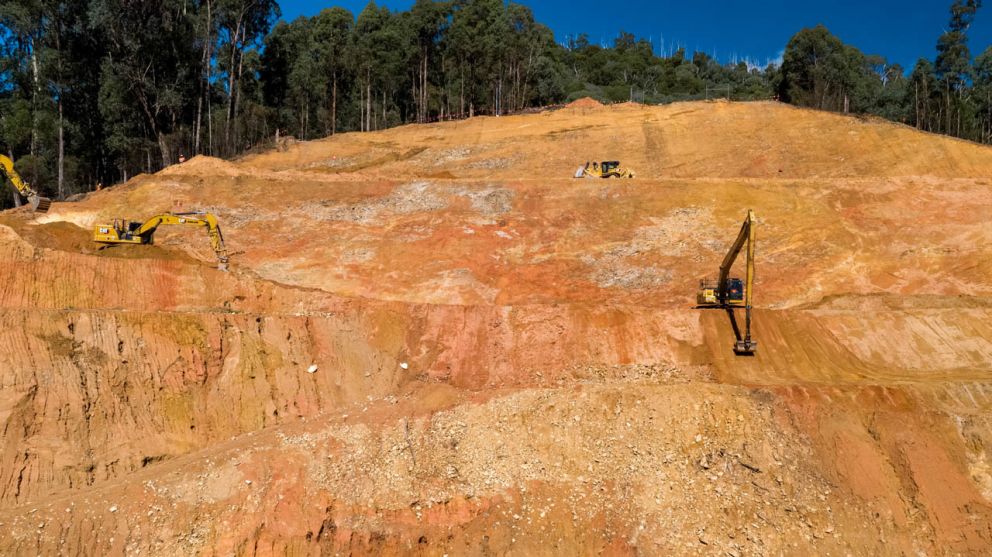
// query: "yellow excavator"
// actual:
[[728, 293], [132, 232], [605, 169], [39, 203]]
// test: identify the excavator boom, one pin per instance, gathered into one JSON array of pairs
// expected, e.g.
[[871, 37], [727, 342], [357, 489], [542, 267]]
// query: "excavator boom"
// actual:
[[127, 232], [745, 236], [38, 203]]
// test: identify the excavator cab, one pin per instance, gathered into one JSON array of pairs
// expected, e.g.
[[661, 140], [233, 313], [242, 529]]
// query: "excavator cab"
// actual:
[[612, 169], [735, 291], [122, 231], [708, 295]]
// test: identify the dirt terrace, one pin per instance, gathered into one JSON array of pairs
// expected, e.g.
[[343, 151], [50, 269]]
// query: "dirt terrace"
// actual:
[[507, 358]]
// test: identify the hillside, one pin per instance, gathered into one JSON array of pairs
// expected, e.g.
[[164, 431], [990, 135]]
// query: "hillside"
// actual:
[[508, 360]]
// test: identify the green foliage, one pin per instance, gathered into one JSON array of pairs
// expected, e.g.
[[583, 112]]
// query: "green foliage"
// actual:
[[983, 95], [818, 70]]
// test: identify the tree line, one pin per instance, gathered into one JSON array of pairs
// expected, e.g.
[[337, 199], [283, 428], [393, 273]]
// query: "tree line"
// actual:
[[950, 95], [95, 91]]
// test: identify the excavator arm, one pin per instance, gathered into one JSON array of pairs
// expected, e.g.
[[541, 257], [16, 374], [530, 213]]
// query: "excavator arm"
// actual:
[[122, 232], [39, 203], [216, 240]]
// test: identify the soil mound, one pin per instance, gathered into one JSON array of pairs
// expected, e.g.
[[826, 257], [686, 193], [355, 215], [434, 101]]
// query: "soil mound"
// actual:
[[202, 165], [584, 102]]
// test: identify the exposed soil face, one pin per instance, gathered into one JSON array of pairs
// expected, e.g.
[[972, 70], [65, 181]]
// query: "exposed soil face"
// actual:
[[507, 359]]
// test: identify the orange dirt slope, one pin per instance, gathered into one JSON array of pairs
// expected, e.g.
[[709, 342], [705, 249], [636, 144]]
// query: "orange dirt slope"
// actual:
[[507, 359]]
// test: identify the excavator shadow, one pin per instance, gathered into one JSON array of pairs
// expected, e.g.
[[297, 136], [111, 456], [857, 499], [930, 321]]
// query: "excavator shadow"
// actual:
[[741, 347]]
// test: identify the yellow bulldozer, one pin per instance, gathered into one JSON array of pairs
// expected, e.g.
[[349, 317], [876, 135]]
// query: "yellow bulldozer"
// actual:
[[729, 292], [123, 231], [38, 203], [605, 169]]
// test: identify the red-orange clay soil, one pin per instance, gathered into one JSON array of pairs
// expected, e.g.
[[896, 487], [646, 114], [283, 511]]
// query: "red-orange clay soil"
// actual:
[[433, 340]]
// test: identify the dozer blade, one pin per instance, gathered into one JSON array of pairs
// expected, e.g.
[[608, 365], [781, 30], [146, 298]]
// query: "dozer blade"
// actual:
[[40, 204]]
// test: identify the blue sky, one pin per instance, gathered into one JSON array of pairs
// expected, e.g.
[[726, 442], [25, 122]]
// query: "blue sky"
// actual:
[[900, 30]]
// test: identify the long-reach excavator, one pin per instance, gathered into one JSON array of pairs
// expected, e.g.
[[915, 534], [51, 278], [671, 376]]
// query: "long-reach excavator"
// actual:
[[39, 203], [132, 232], [729, 293]]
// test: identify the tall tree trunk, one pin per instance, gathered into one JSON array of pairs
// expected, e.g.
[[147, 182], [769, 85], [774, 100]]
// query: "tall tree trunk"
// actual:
[[415, 92], [206, 78], [210, 126], [445, 105], [196, 125], [34, 96], [204, 83], [960, 99], [153, 124], [334, 103], [230, 83], [164, 146], [947, 85], [237, 98], [423, 88], [916, 104], [61, 151]]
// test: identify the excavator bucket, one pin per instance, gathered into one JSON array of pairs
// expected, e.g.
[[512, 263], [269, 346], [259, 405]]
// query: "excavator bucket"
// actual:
[[745, 347], [40, 204]]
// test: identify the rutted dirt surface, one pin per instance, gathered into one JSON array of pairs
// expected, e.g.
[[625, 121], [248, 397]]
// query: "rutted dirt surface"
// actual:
[[507, 360]]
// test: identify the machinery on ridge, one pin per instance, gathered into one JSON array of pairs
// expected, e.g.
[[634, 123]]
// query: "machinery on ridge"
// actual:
[[728, 293], [132, 232], [605, 169], [38, 203]]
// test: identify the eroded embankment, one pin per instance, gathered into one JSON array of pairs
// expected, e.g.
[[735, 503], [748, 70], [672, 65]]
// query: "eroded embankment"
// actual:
[[658, 463], [159, 380]]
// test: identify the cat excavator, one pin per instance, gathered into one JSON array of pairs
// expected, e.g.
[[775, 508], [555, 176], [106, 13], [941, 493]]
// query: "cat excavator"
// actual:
[[728, 293], [38, 203], [123, 231]]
